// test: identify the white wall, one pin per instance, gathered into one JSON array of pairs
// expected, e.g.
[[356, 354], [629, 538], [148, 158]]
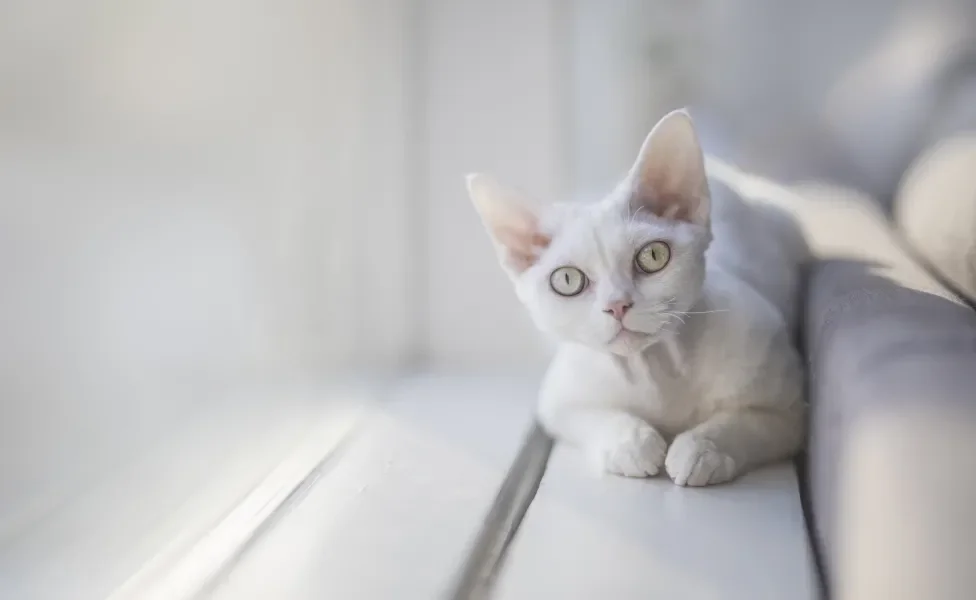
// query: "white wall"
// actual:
[[493, 97], [188, 191], [630, 65]]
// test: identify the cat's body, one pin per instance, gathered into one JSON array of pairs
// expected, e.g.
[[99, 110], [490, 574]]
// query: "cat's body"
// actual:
[[734, 351], [677, 348]]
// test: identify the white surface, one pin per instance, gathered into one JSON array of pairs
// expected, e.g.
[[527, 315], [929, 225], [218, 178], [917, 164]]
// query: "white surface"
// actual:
[[183, 193], [395, 515], [629, 66], [493, 102], [589, 536], [183, 568], [132, 522], [398, 510]]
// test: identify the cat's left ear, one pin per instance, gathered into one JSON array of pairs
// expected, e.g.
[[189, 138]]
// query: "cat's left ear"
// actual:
[[668, 178]]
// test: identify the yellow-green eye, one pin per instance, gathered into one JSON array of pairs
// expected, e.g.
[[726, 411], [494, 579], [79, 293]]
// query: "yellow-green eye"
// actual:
[[567, 281], [653, 257]]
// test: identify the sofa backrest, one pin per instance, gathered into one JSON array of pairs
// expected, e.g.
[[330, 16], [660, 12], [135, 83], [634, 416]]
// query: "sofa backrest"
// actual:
[[852, 100]]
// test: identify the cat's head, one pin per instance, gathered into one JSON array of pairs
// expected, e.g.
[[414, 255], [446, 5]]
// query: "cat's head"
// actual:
[[618, 274]]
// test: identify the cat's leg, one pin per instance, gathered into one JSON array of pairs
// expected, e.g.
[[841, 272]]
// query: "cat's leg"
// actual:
[[731, 442], [613, 440]]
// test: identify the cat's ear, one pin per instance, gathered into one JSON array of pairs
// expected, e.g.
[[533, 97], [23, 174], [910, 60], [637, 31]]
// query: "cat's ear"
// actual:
[[512, 221], [668, 179]]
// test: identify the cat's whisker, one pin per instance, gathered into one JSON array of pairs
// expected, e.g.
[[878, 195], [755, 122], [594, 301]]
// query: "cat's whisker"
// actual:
[[633, 215], [672, 316]]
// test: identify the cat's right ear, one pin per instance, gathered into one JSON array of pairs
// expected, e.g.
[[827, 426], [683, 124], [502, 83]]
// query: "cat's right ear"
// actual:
[[512, 221]]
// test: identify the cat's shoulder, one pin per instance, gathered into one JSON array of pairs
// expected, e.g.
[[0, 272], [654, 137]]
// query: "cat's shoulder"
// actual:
[[733, 303]]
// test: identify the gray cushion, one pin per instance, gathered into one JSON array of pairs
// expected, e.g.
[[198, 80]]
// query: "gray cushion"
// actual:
[[881, 336], [936, 210]]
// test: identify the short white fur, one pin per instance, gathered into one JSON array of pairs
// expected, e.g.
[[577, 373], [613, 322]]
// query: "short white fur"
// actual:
[[700, 375]]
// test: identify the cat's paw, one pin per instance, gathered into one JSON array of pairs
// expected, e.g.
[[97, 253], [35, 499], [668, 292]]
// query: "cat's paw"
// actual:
[[695, 461], [630, 447]]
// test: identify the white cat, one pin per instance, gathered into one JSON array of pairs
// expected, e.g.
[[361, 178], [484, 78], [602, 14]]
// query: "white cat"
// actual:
[[670, 355]]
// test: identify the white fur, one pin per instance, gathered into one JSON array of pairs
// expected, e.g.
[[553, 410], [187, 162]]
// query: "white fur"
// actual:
[[705, 381]]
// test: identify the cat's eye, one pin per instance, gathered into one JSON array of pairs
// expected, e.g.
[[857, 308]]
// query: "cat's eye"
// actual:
[[653, 257], [567, 281]]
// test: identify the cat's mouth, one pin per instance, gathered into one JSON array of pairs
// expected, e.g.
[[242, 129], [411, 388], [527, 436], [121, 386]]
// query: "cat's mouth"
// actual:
[[627, 336], [629, 341], [623, 331]]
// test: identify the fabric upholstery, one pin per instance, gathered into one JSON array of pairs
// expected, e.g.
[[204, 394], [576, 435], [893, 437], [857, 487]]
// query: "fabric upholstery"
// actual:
[[881, 337], [936, 210], [805, 94], [906, 516]]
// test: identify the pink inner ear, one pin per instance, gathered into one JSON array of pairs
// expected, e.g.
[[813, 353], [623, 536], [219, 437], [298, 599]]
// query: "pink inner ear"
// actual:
[[522, 244], [669, 177], [667, 206], [674, 207]]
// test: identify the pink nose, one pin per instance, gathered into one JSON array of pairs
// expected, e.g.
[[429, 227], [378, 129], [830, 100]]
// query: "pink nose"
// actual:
[[618, 309]]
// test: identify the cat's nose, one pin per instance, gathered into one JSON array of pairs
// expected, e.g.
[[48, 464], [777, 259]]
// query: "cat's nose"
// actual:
[[618, 309]]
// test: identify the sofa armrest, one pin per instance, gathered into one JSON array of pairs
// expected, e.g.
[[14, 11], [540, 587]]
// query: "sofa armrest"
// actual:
[[883, 340]]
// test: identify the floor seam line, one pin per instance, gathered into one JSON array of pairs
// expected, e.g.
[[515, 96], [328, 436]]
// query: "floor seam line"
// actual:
[[478, 573]]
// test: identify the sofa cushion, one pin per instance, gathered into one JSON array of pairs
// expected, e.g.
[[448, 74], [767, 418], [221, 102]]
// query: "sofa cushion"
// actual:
[[881, 336], [936, 210]]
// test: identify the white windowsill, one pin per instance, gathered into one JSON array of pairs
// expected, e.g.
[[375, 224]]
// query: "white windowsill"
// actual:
[[390, 498], [397, 512], [162, 520]]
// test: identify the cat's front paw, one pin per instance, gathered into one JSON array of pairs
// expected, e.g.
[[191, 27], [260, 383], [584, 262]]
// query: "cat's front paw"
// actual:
[[695, 461], [630, 447]]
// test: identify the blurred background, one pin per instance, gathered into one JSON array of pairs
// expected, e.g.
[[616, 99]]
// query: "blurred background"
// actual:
[[218, 215]]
